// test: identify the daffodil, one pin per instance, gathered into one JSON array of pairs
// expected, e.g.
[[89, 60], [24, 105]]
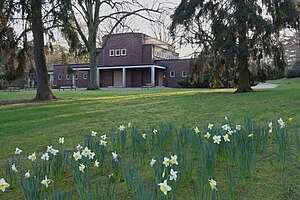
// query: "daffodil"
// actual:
[[164, 187], [217, 139], [79, 147], [226, 127], [121, 128], [281, 123], [251, 135], [212, 184], [226, 138], [167, 161], [27, 174], [61, 140], [270, 124], [115, 156], [207, 135], [49, 149], [103, 137], [152, 162], [96, 163], [3, 185], [103, 142], [32, 157], [210, 126], [129, 125], [163, 174], [173, 175], [144, 135], [45, 156], [91, 155], [94, 133], [13, 168], [238, 127], [86, 152], [231, 132], [154, 131], [196, 130], [46, 181], [54, 151], [77, 155], [18, 151], [81, 167], [290, 119], [174, 160], [226, 118]]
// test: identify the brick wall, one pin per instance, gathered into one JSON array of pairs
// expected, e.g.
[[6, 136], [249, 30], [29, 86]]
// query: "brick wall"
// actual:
[[60, 71]]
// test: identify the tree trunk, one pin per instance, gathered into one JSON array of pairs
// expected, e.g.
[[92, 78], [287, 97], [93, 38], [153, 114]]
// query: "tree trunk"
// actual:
[[44, 92], [244, 76], [93, 56]]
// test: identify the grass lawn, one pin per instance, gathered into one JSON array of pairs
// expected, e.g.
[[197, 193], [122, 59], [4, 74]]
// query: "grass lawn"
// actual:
[[32, 126]]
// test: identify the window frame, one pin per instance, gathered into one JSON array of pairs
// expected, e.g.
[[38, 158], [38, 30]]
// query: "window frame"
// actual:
[[67, 77], [76, 77], [59, 77], [123, 54], [111, 53], [184, 73], [84, 76], [171, 74], [117, 52]]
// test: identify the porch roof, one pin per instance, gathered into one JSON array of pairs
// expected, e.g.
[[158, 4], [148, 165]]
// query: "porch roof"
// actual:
[[121, 67]]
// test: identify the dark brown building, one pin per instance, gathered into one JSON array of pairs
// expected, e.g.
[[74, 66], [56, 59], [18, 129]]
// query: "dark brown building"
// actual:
[[129, 60]]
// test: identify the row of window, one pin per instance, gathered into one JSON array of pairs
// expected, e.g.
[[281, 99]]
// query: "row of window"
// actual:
[[117, 52], [173, 74], [84, 76]]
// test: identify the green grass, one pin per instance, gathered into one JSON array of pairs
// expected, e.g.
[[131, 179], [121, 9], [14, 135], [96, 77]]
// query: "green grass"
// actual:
[[32, 126]]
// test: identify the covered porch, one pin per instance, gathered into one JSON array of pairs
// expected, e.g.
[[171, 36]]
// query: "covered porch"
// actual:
[[131, 76]]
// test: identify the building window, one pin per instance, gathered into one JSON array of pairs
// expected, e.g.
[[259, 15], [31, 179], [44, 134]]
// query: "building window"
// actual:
[[59, 77], [84, 76], [184, 74], [123, 52], [76, 76], [67, 76], [172, 73], [111, 53], [117, 52]]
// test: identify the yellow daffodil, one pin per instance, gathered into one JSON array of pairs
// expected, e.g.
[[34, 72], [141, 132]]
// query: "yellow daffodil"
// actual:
[[93, 133], [61, 140], [174, 160], [166, 161], [103, 142], [3, 185], [290, 119], [226, 138], [164, 187], [251, 135], [86, 152], [77, 155], [81, 167], [207, 135]]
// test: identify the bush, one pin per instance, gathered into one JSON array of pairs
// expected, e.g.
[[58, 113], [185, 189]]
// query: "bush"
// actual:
[[185, 83]]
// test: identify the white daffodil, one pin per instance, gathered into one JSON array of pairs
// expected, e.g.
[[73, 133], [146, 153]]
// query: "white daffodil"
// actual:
[[54, 151], [103, 137], [49, 149], [61, 140], [81, 167], [144, 135], [13, 168], [91, 155], [18, 151], [27, 174], [46, 181], [164, 187], [96, 163], [173, 175], [115, 156], [152, 162], [238, 127], [103, 142], [231, 132], [79, 147], [3, 185], [167, 161], [196, 130], [174, 160], [94, 133], [163, 174], [32, 157], [121, 128], [226, 118], [129, 125], [226, 138], [207, 135], [77, 155], [45, 156], [155, 131], [210, 126], [270, 124], [226, 127], [86, 152], [281, 123], [217, 139], [212, 184]]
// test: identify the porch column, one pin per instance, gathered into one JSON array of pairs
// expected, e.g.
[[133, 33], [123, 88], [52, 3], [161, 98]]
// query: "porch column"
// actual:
[[153, 76], [124, 77], [73, 79]]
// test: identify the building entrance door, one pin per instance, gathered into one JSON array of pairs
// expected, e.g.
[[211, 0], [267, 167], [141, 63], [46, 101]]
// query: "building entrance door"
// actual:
[[160, 78], [117, 78]]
